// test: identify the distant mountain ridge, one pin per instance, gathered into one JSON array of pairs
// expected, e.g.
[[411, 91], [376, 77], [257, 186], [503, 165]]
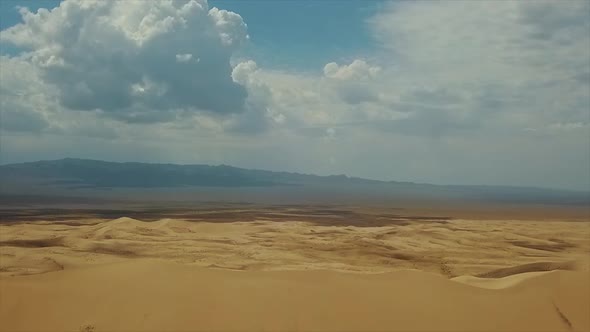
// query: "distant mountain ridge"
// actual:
[[71, 173], [97, 173]]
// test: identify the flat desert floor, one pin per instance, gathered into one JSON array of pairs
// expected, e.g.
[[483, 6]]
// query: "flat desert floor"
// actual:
[[292, 269]]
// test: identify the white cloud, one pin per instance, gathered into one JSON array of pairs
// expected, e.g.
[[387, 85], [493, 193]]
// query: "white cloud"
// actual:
[[100, 54], [357, 70], [257, 116], [25, 104], [184, 57]]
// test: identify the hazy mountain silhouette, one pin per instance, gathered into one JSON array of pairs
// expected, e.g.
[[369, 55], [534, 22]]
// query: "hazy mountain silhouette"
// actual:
[[70, 174], [95, 173]]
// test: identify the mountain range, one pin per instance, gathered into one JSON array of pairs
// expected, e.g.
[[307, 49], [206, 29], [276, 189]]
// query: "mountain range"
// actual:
[[81, 176]]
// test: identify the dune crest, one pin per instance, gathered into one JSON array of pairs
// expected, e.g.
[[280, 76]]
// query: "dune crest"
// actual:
[[501, 282]]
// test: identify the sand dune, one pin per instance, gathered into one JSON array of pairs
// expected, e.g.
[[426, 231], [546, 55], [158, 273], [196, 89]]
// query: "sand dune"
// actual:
[[174, 275], [153, 295], [452, 247]]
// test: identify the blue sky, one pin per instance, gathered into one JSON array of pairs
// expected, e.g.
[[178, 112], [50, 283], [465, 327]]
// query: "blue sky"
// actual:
[[9, 15], [311, 35], [448, 92]]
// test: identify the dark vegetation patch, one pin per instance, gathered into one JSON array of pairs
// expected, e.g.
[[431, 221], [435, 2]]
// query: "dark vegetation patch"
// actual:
[[323, 215], [403, 256], [116, 250], [33, 243]]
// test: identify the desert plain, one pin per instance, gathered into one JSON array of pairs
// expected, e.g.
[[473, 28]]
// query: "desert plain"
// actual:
[[253, 267]]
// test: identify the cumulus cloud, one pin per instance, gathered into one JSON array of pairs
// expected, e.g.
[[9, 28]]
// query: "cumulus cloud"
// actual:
[[353, 81], [357, 70], [184, 57], [24, 103], [29, 106], [255, 118], [134, 60]]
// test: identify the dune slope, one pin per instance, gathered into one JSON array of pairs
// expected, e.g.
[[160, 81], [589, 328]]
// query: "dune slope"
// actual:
[[154, 295]]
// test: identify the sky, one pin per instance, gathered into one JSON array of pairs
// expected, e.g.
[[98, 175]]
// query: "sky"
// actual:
[[444, 92]]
